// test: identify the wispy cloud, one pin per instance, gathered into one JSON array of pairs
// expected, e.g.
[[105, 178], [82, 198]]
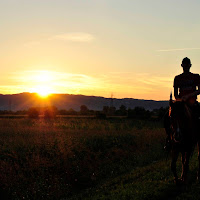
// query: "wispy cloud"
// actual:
[[74, 37], [70, 37], [58, 80], [156, 81], [182, 49]]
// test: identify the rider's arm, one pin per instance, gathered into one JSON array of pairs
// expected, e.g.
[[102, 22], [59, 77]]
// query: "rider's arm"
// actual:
[[176, 88], [176, 92]]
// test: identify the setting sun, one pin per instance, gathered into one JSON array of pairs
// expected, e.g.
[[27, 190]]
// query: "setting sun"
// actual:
[[43, 91], [42, 81]]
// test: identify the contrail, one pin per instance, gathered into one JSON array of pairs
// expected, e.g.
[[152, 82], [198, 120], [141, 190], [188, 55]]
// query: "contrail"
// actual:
[[184, 49]]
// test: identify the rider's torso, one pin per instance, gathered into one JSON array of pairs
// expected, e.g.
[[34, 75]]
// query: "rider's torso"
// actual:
[[187, 83]]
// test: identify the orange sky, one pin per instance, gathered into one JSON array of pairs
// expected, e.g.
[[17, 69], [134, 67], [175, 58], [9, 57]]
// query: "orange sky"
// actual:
[[127, 48]]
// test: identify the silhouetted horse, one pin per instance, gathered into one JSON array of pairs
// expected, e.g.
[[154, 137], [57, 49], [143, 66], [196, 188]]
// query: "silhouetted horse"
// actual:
[[183, 136]]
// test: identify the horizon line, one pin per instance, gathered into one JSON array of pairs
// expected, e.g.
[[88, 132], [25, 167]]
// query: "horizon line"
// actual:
[[84, 95]]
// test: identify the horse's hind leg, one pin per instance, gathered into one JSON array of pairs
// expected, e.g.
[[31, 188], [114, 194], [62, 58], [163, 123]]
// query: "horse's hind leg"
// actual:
[[173, 164]]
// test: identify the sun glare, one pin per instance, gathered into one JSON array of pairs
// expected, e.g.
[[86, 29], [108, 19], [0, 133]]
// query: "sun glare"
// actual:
[[44, 76], [43, 91], [43, 84]]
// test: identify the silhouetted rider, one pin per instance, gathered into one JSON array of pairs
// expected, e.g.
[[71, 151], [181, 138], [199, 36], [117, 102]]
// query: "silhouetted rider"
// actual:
[[185, 84], [186, 88]]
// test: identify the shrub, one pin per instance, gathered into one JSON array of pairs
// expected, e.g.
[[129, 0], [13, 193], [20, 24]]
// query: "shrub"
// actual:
[[33, 113], [50, 113]]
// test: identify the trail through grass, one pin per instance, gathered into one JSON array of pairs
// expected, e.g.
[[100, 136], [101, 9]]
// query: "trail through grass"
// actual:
[[154, 182]]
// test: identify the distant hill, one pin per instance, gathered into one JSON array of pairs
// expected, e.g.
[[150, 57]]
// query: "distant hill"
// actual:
[[24, 101]]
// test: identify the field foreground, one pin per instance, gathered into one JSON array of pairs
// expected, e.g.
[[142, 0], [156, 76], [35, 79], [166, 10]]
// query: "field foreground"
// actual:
[[87, 159], [154, 182]]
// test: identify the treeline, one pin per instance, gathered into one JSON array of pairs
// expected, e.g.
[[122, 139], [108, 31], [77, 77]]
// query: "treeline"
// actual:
[[137, 112], [52, 111]]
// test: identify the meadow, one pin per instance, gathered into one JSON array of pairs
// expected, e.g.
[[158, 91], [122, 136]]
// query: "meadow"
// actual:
[[86, 158]]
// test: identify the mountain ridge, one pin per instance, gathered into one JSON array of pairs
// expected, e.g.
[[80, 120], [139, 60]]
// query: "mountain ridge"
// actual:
[[25, 100]]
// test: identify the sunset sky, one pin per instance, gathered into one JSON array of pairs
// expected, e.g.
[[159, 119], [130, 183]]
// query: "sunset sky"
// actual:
[[131, 48]]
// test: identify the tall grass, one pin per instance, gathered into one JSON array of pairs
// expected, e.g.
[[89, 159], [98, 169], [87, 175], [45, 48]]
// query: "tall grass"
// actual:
[[56, 159]]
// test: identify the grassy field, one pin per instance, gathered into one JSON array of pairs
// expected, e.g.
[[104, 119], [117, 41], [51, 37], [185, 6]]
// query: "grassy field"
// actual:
[[87, 158]]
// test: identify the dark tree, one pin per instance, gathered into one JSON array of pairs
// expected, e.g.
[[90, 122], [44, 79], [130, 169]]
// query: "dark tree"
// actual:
[[50, 112], [63, 112], [33, 113], [72, 112], [123, 110], [139, 113], [106, 109], [83, 110]]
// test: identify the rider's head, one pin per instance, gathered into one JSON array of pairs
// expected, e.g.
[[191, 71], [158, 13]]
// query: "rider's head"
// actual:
[[186, 64]]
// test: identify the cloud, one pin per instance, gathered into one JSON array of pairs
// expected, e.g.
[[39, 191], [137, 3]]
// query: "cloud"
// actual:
[[74, 37], [56, 79], [156, 81], [183, 49], [12, 89]]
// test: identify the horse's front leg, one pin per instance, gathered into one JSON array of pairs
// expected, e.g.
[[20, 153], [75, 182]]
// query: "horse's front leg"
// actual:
[[173, 164], [186, 167]]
